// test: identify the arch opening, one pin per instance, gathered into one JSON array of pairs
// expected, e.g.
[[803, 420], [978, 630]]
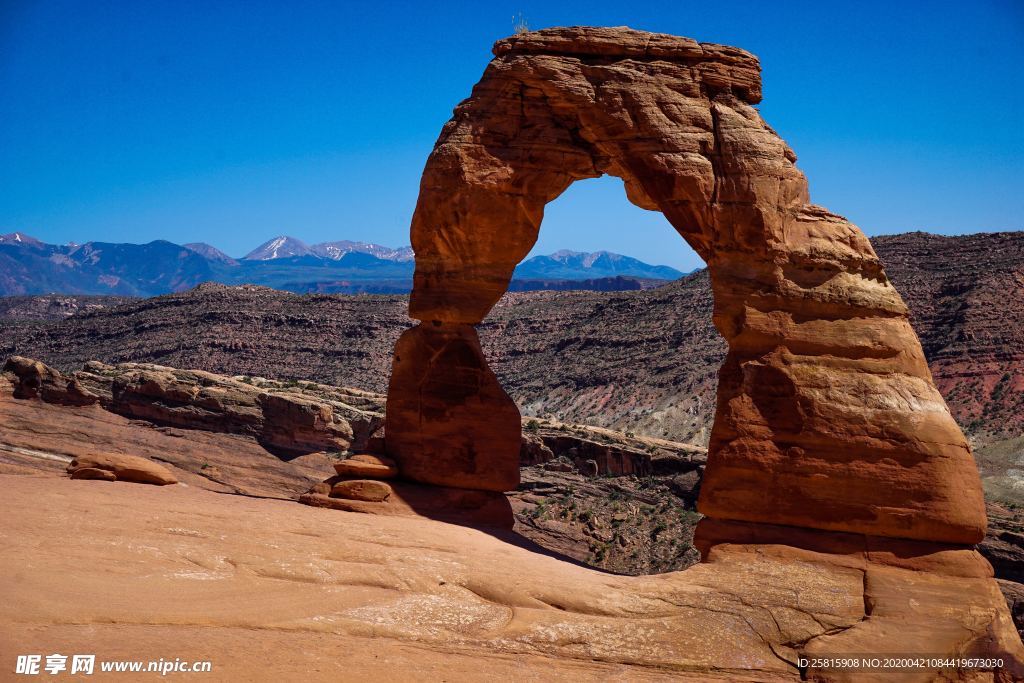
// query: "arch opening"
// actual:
[[594, 378], [594, 215]]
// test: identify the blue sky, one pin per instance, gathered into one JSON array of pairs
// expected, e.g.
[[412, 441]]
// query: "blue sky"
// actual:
[[233, 122]]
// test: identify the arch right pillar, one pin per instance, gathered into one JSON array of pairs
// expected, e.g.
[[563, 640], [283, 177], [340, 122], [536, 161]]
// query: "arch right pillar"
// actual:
[[827, 417]]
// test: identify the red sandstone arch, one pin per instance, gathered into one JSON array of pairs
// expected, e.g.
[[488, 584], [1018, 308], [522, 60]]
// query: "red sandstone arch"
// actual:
[[827, 416]]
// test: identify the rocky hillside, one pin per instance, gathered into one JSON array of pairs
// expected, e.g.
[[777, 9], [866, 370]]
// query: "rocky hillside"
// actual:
[[28, 309], [966, 295], [243, 330]]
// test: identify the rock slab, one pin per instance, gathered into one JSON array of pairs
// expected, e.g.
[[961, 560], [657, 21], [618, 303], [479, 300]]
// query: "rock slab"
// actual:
[[369, 490], [366, 465]]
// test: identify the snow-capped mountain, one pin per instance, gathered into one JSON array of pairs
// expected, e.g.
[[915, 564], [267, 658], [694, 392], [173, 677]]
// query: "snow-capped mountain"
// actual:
[[576, 265], [19, 238], [28, 266], [335, 250], [279, 247]]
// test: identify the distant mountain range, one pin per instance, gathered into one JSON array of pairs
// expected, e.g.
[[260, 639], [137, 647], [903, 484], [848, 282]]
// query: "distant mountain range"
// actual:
[[29, 266], [285, 247], [575, 265]]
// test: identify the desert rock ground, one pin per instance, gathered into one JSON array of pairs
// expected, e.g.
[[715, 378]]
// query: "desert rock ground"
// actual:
[[227, 567], [268, 589]]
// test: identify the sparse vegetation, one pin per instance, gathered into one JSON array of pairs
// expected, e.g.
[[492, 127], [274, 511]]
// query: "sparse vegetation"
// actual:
[[602, 522], [519, 24]]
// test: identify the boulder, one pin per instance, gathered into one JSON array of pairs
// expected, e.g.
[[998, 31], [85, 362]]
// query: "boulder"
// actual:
[[120, 467], [533, 450], [366, 465], [369, 490]]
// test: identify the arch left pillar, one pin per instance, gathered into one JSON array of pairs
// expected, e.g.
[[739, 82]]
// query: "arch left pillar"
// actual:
[[497, 163]]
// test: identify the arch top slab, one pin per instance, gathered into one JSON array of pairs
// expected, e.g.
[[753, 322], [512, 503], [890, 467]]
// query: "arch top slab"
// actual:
[[827, 416], [561, 105]]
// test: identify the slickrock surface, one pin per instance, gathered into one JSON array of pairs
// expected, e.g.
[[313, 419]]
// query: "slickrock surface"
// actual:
[[827, 416], [147, 572], [561, 510]]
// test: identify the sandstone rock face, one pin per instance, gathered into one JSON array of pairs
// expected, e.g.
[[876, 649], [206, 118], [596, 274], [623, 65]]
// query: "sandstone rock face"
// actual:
[[827, 416], [429, 601], [282, 418], [444, 405], [120, 467], [37, 380]]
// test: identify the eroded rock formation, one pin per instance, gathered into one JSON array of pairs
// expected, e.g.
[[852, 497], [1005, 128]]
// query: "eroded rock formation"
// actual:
[[827, 415], [444, 401], [280, 416], [120, 467]]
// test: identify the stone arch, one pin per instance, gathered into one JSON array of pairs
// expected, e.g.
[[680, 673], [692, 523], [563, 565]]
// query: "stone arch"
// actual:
[[827, 416]]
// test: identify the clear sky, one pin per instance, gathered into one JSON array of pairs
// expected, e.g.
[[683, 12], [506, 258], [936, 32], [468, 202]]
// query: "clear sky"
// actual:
[[233, 122]]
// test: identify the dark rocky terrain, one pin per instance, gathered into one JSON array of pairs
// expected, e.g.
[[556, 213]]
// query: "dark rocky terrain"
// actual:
[[29, 309], [243, 330], [967, 299]]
